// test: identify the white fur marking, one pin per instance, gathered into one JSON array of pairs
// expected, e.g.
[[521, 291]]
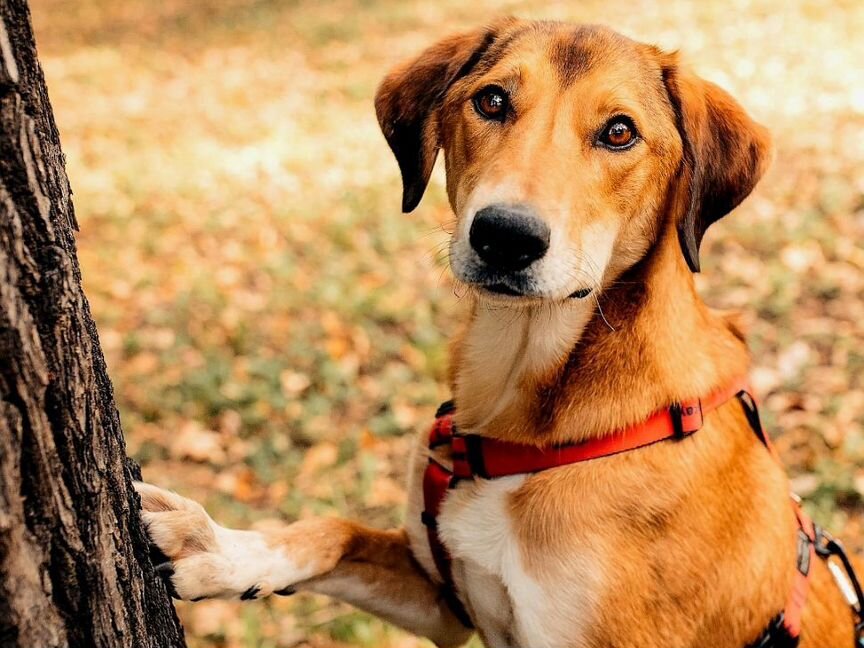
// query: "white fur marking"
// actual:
[[510, 606], [240, 561], [504, 345]]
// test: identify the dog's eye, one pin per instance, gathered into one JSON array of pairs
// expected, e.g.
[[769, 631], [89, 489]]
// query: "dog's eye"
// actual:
[[491, 102], [619, 133]]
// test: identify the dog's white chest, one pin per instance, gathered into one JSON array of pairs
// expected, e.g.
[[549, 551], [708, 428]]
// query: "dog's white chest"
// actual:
[[511, 607]]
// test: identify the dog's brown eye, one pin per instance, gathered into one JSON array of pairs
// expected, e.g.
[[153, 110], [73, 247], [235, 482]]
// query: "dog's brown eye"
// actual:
[[491, 102], [618, 133]]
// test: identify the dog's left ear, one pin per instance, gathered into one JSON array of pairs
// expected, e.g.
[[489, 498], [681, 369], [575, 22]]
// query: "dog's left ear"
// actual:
[[408, 99], [725, 154]]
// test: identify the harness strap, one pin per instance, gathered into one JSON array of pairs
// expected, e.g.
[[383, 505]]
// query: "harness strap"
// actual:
[[806, 554], [785, 629], [474, 456], [776, 635], [437, 480]]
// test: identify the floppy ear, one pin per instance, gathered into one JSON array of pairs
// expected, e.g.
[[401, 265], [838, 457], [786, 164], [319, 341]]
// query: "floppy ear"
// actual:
[[409, 97], [725, 155]]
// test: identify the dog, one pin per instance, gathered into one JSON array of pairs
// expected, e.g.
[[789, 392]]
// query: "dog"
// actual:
[[583, 169]]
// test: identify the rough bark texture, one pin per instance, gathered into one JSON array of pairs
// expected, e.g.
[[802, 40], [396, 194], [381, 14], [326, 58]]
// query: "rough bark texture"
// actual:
[[74, 566]]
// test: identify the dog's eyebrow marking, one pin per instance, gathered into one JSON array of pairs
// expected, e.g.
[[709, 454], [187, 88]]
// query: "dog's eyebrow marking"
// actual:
[[488, 41], [574, 52], [499, 48]]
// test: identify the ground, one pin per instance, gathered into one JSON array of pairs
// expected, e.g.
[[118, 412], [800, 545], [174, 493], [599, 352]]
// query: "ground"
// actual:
[[276, 329]]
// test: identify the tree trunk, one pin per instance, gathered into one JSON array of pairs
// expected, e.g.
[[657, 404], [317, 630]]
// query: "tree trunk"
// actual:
[[74, 565]]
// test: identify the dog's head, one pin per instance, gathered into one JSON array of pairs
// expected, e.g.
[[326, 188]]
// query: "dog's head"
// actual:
[[567, 149]]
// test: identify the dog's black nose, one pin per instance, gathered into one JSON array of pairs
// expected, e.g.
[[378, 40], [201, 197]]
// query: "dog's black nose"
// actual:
[[508, 237]]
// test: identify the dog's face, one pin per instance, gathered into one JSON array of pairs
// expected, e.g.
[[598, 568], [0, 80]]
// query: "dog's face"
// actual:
[[567, 150], [559, 148]]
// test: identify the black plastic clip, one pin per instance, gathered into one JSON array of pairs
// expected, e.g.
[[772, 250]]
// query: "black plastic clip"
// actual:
[[677, 417], [445, 408]]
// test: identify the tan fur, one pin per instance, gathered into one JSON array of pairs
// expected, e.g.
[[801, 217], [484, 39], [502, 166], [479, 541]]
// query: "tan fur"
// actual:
[[176, 524], [687, 544]]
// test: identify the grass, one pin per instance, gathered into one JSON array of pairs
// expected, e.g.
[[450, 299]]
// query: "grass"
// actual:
[[276, 329]]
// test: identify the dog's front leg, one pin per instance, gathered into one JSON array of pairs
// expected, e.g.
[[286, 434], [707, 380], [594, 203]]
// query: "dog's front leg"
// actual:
[[373, 570]]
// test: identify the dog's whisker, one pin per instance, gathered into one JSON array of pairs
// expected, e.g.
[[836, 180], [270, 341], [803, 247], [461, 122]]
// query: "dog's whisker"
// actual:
[[602, 314]]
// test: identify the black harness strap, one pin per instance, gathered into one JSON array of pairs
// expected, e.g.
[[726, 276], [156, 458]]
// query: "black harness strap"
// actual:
[[777, 634]]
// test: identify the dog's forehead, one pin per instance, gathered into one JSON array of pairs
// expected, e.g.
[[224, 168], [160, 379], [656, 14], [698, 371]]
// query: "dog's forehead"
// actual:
[[572, 51], [576, 50]]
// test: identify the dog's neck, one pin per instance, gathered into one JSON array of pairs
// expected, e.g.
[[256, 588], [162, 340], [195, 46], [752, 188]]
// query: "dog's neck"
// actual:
[[558, 373]]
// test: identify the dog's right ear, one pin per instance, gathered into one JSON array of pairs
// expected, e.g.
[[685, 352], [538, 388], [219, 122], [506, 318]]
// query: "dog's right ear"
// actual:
[[408, 100], [725, 154]]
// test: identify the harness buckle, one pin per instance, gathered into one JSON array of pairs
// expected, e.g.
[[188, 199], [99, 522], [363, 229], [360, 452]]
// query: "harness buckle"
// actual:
[[445, 408], [803, 549], [822, 541], [844, 576], [686, 418]]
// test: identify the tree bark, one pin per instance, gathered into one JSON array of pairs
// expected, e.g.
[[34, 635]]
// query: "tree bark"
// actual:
[[74, 564]]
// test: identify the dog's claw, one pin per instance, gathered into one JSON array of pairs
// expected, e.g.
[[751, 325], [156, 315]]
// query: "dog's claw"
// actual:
[[286, 591], [165, 569], [250, 594]]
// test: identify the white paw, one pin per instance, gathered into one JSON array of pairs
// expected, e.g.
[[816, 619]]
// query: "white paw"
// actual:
[[206, 560]]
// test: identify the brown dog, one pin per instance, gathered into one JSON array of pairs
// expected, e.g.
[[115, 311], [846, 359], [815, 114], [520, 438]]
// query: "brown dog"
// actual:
[[583, 169]]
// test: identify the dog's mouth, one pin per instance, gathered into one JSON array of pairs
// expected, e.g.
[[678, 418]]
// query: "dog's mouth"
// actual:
[[582, 293], [514, 287], [502, 289]]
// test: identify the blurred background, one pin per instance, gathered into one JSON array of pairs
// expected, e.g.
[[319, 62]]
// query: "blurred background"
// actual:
[[276, 329]]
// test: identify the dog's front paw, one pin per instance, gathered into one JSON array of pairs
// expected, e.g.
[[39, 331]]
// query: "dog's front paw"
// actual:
[[206, 560]]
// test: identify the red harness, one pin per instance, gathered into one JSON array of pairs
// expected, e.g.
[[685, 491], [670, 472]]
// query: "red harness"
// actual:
[[480, 457]]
